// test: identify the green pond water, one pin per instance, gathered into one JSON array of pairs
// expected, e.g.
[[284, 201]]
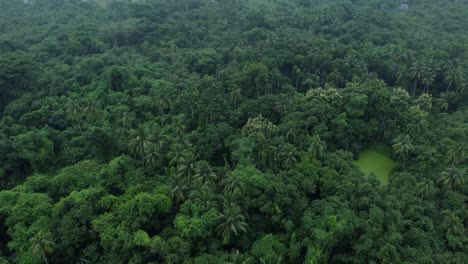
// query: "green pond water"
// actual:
[[371, 161]]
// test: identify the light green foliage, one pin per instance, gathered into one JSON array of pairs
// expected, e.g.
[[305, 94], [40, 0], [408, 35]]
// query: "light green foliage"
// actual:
[[269, 249], [197, 227]]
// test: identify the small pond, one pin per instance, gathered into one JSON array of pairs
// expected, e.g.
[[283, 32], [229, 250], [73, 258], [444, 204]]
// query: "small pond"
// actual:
[[371, 161]]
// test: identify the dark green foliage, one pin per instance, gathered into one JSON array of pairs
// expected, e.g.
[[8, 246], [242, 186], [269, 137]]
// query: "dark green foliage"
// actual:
[[158, 131]]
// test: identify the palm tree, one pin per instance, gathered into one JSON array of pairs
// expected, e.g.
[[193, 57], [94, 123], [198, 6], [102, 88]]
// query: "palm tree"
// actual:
[[176, 153], [186, 168], [163, 102], [451, 178], [235, 96], [402, 145], [448, 99], [125, 119], [237, 258], [179, 190], [291, 135], [425, 188], [451, 223], [233, 223], [415, 129], [152, 155], [42, 246], [462, 86], [430, 73], [91, 108], [206, 195], [281, 108], [74, 113], [232, 186], [204, 173], [159, 139], [452, 76], [456, 154], [139, 144], [289, 156], [179, 127], [317, 147], [416, 71], [402, 76]]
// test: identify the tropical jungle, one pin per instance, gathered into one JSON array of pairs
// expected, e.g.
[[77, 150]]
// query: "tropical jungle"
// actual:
[[233, 131]]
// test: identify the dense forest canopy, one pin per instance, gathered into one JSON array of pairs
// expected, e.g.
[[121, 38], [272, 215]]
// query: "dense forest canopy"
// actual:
[[226, 131]]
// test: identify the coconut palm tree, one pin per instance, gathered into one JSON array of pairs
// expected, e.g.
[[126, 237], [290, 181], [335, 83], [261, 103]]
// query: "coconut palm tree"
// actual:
[[159, 139], [74, 112], [186, 168], [233, 223], [448, 99], [163, 102], [281, 107], [288, 156], [179, 190], [455, 154], [429, 76], [451, 178], [237, 258], [415, 129], [425, 188], [179, 127], [206, 195], [402, 75], [402, 146], [232, 185], [176, 153], [452, 76], [416, 72], [91, 109], [452, 224], [41, 246], [205, 174], [235, 96], [140, 142], [291, 135], [152, 155], [317, 147]]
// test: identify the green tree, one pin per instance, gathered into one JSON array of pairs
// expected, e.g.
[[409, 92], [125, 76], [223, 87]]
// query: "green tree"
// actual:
[[163, 102], [455, 154], [176, 153], [140, 143], [317, 147], [152, 155], [91, 109], [179, 191], [235, 96], [452, 178], [205, 174], [425, 188], [74, 113], [415, 129], [288, 155], [42, 246], [187, 166], [402, 146], [416, 72], [233, 223], [233, 185]]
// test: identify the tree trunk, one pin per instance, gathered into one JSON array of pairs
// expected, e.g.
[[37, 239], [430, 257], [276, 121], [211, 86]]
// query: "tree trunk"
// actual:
[[414, 86], [45, 258], [162, 117]]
